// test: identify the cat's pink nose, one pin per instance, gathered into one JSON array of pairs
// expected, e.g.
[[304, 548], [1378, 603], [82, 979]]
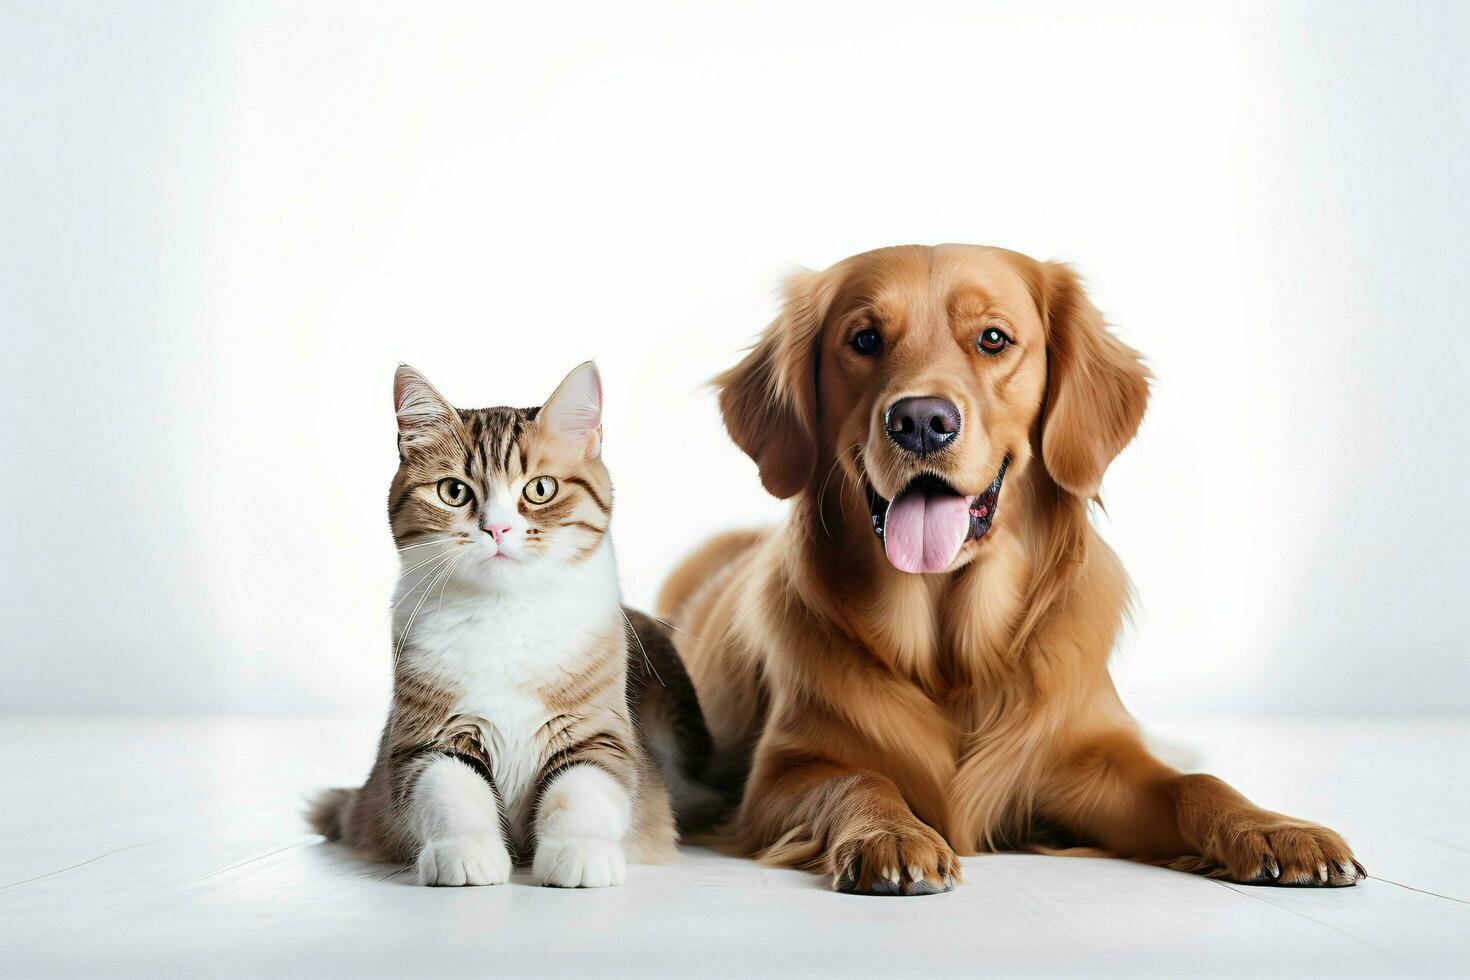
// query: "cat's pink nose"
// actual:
[[497, 531]]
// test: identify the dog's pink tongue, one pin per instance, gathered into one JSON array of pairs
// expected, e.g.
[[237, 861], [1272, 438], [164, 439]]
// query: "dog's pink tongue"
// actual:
[[922, 532]]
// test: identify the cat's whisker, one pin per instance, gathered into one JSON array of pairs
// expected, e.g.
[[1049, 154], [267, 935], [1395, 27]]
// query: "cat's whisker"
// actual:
[[444, 585], [422, 579], [440, 569], [641, 648], [388, 583], [413, 568], [426, 577], [436, 539], [419, 541], [665, 622], [656, 619], [442, 560]]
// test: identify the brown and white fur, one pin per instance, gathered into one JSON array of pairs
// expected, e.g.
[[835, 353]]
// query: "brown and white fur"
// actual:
[[512, 731], [882, 721]]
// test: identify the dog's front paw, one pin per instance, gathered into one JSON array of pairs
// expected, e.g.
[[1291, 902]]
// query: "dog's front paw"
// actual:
[[578, 862], [479, 860], [903, 859], [1266, 848]]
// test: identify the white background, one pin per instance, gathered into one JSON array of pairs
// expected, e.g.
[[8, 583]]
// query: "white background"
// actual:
[[222, 226]]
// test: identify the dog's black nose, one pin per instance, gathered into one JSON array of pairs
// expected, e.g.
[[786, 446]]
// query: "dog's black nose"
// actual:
[[923, 425]]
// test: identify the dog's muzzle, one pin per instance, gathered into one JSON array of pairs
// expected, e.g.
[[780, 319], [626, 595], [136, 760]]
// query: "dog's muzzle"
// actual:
[[924, 526]]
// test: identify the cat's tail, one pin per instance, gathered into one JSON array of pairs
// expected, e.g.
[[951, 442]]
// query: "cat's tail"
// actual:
[[327, 813]]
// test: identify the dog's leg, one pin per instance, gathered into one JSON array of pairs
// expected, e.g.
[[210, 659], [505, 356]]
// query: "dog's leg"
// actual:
[[851, 825], [1107, 790]]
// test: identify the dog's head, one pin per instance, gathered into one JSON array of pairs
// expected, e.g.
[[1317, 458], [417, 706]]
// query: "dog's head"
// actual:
[[930, 375]]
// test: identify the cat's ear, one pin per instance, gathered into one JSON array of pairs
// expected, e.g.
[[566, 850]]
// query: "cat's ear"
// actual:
[[574, 410], [424, 415]]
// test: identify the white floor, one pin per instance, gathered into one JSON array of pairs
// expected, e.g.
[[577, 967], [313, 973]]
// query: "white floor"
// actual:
[[174, 848]]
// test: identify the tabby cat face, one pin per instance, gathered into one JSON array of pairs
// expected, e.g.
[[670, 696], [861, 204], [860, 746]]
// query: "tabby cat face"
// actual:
[[497, 495]]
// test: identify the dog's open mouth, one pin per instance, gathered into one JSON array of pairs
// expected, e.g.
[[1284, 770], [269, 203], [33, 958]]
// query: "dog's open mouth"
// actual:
[[924, 526]]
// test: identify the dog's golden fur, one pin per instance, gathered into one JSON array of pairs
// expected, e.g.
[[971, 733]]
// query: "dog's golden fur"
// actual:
[[880, 721]]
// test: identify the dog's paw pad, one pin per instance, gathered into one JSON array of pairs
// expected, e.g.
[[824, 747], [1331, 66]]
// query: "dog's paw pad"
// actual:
[[1271, 850], [907, 861]]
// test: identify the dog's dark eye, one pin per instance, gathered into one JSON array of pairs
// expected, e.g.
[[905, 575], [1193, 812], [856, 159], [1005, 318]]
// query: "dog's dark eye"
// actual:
[[992, 341], [867, 341]]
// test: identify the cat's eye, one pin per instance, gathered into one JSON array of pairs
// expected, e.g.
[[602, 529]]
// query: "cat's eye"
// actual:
[[455, 493], [540, 489], [992, 341]]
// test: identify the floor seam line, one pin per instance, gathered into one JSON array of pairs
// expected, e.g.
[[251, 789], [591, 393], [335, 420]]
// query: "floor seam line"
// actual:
[[187, 832], [90, 860], [1328, 925], [191, 882], [258, 857], [1421, 891]]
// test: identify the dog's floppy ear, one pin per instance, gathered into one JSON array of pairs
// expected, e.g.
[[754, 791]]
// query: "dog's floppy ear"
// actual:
[[769, 399], [1096, 388]]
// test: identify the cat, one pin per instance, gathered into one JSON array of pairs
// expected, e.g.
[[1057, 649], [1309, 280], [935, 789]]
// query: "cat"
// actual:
[[524, 720]]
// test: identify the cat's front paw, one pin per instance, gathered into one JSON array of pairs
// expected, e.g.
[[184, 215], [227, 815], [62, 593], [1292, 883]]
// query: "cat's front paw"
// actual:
[[464, 861], [578, 862]]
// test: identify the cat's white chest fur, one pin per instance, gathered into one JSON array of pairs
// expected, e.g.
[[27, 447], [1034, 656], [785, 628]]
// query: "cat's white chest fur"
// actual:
[[501, 648]]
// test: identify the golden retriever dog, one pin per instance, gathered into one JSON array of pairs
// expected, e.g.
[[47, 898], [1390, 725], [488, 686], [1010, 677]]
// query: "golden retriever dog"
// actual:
[[914, 665]]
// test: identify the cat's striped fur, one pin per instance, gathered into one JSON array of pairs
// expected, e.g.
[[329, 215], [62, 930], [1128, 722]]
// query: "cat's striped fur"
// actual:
[[524, 700]]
